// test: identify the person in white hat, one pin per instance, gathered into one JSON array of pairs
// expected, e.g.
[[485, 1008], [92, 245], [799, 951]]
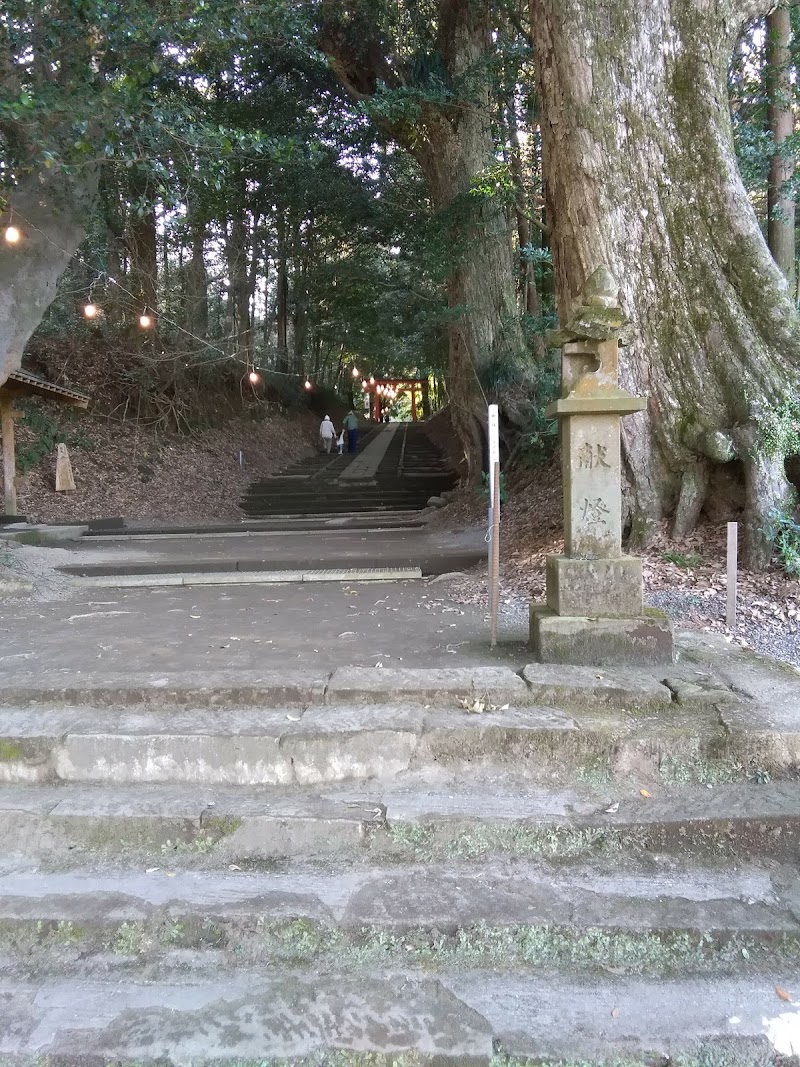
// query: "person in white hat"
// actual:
[[327, 433]]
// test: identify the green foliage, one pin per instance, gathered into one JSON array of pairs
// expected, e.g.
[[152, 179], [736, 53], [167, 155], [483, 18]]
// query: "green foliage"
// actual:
[[785, 535], [541, 439], [485, 488], [47, 433], [495, 181]]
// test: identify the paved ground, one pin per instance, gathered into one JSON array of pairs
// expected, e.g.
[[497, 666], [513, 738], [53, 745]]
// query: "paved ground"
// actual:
[[325, 625]]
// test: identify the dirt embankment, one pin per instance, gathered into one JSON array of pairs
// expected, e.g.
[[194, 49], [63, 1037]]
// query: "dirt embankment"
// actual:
[[183, 451]]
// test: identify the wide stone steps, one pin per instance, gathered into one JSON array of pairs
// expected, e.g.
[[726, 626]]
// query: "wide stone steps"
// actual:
[[410, 472], [408, 820], [371, 867]]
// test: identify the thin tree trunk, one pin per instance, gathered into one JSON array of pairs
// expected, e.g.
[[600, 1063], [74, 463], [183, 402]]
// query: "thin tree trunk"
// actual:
[[196, 275], [531, 304], [142, 243], [282, 363], [780, 201], [641, 178]]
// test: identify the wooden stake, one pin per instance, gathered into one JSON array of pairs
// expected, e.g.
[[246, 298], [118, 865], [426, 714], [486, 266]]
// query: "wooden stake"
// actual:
[[494, 596], [64, 477], [733, 567], [7, 414]]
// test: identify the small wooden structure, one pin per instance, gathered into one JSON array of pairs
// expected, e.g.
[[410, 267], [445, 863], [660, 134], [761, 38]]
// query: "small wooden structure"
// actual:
[[22, 383], [385, 390]]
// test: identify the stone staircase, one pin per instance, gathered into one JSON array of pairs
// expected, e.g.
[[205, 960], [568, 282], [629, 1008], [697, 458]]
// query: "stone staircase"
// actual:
[[461, 866], [410, 472]]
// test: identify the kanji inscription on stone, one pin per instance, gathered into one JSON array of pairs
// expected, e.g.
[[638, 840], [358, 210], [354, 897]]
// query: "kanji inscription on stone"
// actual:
[[593, 455], [595, 512]]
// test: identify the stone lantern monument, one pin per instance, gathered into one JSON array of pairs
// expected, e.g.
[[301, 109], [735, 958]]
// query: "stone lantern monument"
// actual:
[[595, 610]]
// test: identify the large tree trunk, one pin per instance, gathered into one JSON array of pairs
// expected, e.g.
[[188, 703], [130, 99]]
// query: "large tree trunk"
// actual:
[[51, 212], [780, 201], [641, 177]]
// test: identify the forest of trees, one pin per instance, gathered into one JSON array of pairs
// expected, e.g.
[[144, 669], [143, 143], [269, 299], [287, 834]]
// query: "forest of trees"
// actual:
[[312, 186]]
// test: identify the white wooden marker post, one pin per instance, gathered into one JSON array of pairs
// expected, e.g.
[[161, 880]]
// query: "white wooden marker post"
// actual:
[[494, 518], [733, 566]]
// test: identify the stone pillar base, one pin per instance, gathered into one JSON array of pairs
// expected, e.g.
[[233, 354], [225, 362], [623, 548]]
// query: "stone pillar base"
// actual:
[[606, 587], [601, 642]]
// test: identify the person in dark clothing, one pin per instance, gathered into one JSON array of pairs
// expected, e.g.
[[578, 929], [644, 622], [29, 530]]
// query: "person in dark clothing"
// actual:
[[351, 425]]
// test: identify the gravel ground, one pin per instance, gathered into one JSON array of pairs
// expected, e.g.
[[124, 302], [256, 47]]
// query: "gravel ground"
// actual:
[[777, 638]]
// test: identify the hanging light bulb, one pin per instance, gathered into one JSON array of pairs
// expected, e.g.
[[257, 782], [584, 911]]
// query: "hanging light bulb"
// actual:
[[356, 372], [13, 235], [90, 311], [371, 380], [145, 321], [254, 377], [365, 385], [307, 384]]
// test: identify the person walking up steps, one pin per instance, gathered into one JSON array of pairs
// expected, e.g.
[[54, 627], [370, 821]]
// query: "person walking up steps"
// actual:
[[351, 425], [327, 433]]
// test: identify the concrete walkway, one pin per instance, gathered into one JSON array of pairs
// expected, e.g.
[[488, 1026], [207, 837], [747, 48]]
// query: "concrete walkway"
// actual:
[[252, 628], [365, 466]]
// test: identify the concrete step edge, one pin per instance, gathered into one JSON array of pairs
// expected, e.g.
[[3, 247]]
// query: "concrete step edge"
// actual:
[[444, 896], [249, 577]]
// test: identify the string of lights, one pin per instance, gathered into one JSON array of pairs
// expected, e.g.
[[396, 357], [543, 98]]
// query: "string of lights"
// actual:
[[92, 311], [14, 236]]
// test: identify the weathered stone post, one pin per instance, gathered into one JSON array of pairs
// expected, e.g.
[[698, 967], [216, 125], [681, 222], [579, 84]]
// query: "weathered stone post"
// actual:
[[595, 608]]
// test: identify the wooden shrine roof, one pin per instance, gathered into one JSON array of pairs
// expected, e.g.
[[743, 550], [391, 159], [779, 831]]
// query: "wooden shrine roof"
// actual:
[[25, 383]]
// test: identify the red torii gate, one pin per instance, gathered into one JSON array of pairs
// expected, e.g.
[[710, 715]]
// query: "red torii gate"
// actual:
[[386, 390]]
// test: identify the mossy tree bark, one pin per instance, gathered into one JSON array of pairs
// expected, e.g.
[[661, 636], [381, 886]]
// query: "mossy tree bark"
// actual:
[[453, 142], [51, 211], [641, 177]]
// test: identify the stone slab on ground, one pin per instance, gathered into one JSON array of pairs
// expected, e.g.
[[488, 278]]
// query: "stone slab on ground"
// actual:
[[548, 1016], [458, 1017], [566, 684], [382, 685]]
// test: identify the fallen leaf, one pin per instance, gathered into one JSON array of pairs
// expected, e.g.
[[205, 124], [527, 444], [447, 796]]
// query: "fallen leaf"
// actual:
[[293, 718], [615, 1013], [613, 809], [233, 867], [782, 994], [644, 793]]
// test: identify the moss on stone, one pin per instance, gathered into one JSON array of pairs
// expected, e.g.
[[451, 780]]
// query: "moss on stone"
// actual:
[[10, 751]]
